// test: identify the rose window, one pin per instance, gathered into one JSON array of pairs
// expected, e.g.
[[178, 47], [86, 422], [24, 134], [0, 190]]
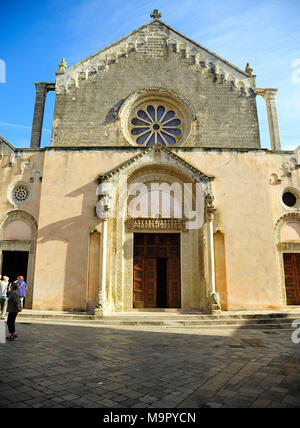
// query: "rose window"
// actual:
[[21, 194], [156, 124]]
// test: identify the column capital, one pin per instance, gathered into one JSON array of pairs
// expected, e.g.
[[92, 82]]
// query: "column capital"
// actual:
[[267, 93], [210, 214]]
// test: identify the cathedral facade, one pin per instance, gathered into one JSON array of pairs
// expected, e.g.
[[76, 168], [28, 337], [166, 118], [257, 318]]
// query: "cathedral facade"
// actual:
[[155, 191]]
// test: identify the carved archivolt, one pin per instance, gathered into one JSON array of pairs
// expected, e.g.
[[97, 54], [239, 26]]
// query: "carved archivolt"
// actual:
[[11, 216], [284, 218]]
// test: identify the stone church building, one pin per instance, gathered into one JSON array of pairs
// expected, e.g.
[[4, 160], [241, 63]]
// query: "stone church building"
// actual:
[[86, 220]]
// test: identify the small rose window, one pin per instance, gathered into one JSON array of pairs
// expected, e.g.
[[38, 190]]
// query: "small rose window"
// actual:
[[19, 193], [156, 124]]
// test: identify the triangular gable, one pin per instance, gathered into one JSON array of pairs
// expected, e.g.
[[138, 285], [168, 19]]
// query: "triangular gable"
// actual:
[[6, 145], [138, 41], [195, 173]]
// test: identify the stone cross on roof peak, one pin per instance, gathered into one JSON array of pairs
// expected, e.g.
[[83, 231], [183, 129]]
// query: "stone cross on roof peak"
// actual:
[[155, 14]]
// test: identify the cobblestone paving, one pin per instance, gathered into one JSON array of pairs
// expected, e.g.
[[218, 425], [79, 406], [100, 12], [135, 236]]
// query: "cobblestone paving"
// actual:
[[72, 366]]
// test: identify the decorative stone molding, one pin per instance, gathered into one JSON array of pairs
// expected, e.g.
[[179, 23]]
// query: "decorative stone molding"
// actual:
[[287, 168], [195, 174], [296, 192], [154, 224], [157, 39], [274, 179], [11, 216], [16, 159], [284, 218], [289, 247]]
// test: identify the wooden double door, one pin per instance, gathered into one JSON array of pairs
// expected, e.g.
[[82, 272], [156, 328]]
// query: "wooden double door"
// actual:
[[156, 271], [292, 278]]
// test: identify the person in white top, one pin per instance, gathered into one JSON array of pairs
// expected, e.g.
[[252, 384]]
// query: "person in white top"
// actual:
[[3, 295]]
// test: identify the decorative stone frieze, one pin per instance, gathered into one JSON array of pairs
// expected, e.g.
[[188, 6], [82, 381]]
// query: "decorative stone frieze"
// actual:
[[155, 39], [196, 174], [154, 224]]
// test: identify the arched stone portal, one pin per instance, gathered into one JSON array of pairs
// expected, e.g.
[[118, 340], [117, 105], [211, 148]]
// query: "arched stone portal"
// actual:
[[18, 234], [157, 166], [288, 244]]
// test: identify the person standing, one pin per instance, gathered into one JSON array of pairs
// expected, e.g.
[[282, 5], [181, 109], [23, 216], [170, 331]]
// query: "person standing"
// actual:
[[3, 295], [22, 287], [13, 308]]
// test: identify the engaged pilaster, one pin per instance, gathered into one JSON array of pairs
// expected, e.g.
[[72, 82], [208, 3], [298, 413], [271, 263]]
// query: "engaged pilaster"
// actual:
[[269, 96]]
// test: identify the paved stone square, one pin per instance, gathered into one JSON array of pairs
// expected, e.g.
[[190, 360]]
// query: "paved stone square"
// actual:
[[53, 365]]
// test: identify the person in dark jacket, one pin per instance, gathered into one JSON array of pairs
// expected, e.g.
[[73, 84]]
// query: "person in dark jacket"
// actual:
[[13, 308]]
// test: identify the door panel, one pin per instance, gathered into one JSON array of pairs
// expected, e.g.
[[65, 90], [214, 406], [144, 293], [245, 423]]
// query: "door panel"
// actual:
[[148, 249], [292, 278], [150, 283], [174, 283], [138, 283]]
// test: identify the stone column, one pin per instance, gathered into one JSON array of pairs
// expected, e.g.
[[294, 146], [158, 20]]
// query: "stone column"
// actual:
[[214, 298], [269, 96], [104, 210], [101, 296], [42, 88]]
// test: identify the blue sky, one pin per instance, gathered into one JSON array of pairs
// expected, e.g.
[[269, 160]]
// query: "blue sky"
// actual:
[[37, 34]]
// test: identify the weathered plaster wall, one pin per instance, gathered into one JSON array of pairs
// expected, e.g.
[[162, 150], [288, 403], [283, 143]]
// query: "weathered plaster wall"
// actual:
[[246, 208], [23, 166]]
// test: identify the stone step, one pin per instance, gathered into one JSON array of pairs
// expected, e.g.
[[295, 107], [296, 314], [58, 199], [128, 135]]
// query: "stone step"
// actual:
[[226, 320], [161, 318], [275, 325]]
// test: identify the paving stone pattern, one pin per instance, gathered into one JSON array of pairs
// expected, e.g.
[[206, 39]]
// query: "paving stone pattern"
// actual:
[[72, 366]]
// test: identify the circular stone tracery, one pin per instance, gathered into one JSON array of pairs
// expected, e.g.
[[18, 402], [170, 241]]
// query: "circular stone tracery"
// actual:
[[19, 193], [156, 115], [156, 124]]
